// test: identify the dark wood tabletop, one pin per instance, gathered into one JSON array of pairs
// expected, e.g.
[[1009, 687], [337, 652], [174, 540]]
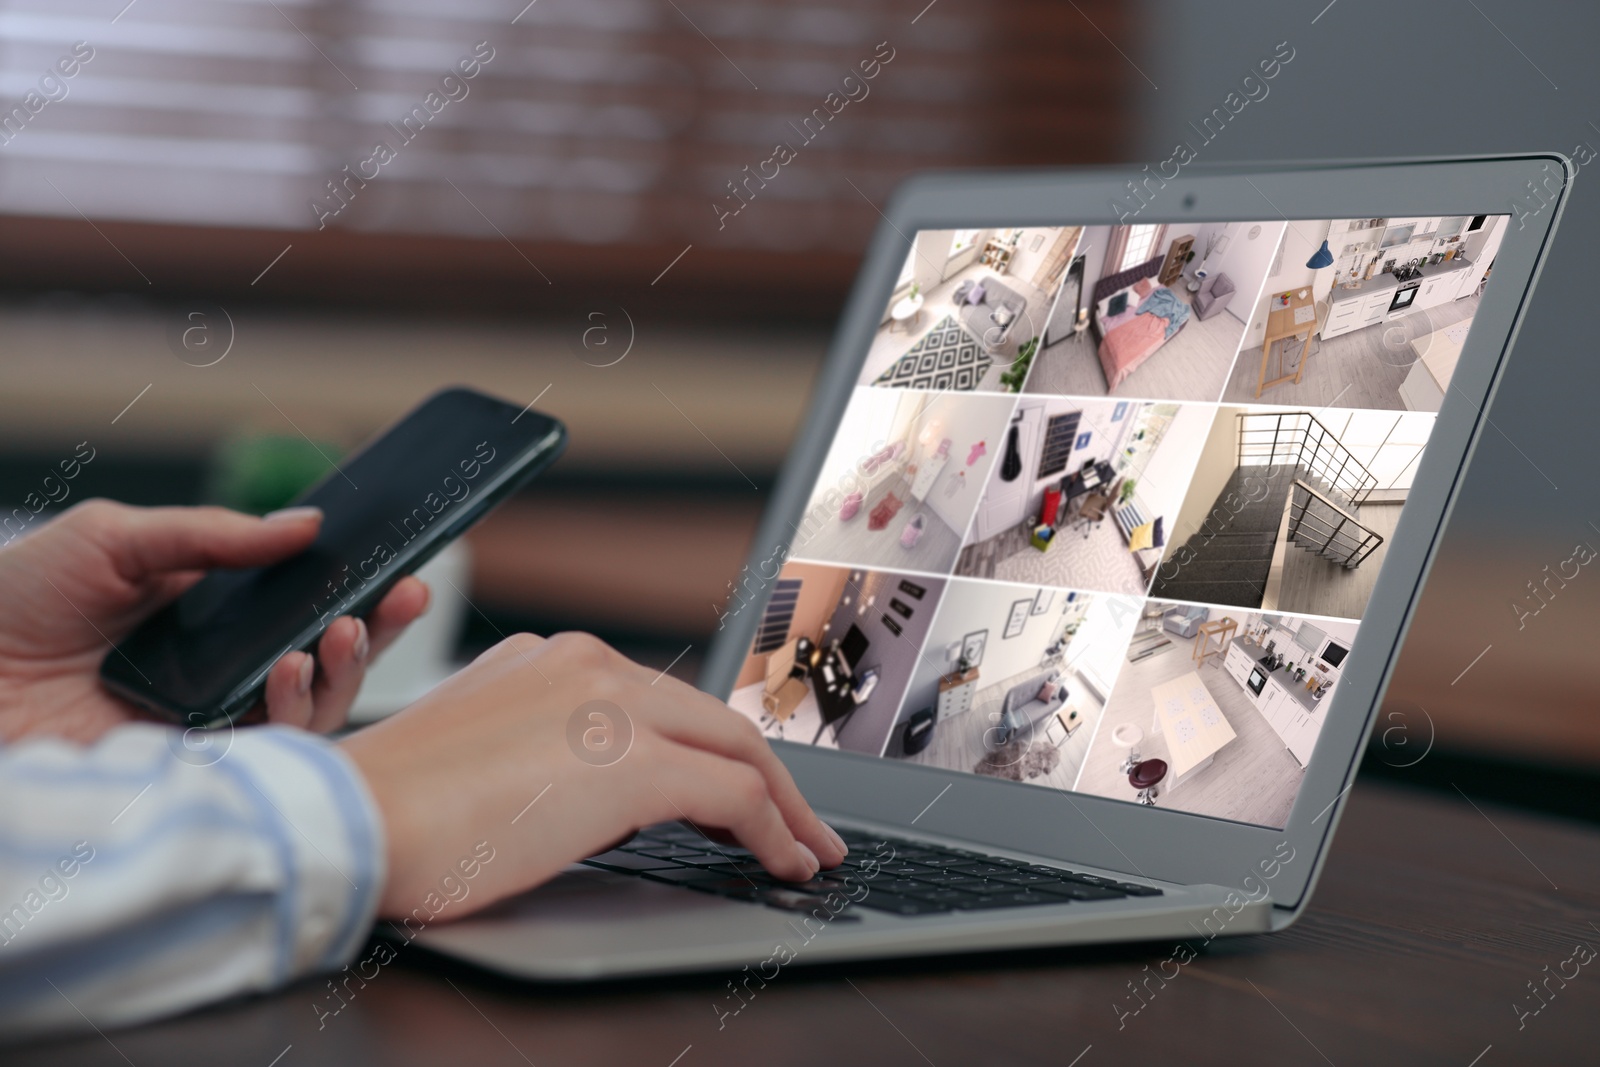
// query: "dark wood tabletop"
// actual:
[[1434, 917]]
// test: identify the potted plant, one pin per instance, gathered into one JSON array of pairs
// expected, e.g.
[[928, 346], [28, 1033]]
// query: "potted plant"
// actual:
[[1127, 490], [1017, 373]]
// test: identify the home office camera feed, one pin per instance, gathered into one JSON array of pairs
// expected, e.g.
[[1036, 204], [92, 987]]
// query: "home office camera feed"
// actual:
[[1108, 502]]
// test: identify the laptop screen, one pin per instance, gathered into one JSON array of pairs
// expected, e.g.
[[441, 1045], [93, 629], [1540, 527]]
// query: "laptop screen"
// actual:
[[1108, 502]]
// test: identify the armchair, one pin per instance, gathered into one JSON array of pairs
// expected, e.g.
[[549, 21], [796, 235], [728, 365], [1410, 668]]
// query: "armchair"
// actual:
[[1216, 298], [1185, 619]]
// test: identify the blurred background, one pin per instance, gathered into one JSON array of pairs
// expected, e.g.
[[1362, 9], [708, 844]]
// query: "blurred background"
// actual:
[[217, 159]]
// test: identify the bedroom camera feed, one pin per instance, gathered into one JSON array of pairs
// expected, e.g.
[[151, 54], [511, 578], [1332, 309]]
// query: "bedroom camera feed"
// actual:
[[1156, 311], [968, 307], [1107, 503]]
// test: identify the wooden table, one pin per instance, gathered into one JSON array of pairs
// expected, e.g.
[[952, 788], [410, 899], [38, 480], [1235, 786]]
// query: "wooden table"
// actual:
[[1222, 629], [1425, 928], [1190, 747], [1281, 326]]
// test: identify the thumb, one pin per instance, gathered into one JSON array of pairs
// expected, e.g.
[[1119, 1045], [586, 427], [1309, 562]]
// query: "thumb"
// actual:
[[156, 540]]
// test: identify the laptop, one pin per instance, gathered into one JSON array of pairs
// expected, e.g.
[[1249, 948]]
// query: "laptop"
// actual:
[[1075, 601]]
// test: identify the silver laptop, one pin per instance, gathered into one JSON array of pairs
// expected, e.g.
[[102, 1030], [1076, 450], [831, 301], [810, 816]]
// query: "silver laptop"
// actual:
[[1076, 599]]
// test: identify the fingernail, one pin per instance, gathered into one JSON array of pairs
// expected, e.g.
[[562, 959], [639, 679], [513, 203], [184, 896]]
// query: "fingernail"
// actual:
[[362, 646], [299, 514], [843, 848], [809, 857], [308, 668]]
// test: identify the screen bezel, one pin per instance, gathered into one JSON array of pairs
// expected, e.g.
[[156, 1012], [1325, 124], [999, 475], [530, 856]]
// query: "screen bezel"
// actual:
[[1116, 835]]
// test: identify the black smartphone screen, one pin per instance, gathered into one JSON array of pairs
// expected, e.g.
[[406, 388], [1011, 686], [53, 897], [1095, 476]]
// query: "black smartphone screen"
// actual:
[[386, 510]]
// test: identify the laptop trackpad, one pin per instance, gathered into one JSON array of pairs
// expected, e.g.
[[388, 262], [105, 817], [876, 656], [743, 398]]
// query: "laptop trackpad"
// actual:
[[586, 922]]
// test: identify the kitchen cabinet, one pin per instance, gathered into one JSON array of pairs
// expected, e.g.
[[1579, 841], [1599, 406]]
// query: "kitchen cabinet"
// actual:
[[1344, 316], [1302, 736], [1436, 291], [1238, 665], [1289, 718], [1375, 307], [1484, 256]]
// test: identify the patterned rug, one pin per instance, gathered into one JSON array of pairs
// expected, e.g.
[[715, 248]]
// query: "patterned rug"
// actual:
[[946, 357], [1100, 562]]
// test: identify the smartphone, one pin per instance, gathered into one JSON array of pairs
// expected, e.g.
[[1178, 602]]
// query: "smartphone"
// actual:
[[387, 509]]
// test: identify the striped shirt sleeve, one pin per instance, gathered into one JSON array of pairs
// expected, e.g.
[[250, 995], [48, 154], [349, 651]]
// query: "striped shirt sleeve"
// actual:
[[158, 870]]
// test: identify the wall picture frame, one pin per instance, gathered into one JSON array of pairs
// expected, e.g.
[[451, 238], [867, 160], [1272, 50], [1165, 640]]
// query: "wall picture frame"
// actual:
[[891, 624], [1020, 610], [912, 589], [1119, 411], [1042, 602], [1083, 440], [972, 647], [900, 607]]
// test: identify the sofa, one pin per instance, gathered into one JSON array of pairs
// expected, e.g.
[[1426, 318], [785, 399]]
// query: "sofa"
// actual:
[[1214, 299], [1184, 620], [1022, 710], [979, 319]]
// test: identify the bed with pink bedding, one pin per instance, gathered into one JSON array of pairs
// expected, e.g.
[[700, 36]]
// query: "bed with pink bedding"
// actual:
[[1152, 315]]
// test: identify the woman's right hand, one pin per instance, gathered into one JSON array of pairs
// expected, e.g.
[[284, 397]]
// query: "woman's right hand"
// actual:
[[462, 765]]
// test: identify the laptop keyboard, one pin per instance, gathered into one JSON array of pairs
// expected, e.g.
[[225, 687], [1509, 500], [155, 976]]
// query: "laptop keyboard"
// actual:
[[901, 877]]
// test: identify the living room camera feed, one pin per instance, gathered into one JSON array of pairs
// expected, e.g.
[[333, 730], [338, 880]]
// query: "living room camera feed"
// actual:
[[1108, 502], [1012, 680], [968, 307]]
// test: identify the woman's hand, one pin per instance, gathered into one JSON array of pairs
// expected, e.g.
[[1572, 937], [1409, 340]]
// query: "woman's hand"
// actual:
[[83, 582], [497, 754]]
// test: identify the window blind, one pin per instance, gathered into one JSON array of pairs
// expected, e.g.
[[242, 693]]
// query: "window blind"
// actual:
[[601, 122]]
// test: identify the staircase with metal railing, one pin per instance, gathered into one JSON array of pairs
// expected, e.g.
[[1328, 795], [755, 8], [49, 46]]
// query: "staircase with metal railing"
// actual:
[[1285, 460], [1299, 439]]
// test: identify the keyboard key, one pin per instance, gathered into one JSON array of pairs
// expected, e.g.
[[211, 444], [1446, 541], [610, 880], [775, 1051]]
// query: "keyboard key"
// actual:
[[898, 905], [957, 897], [1023, 877], [1075, 891], [1019, 899], [696, 878], [987, 870], [903, 870], [1134, 890], [628, 861], [670, 852], [932, 859], [951, 880]]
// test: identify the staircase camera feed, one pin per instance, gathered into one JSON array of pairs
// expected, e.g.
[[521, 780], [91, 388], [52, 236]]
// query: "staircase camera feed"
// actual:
[[1108, 503]]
